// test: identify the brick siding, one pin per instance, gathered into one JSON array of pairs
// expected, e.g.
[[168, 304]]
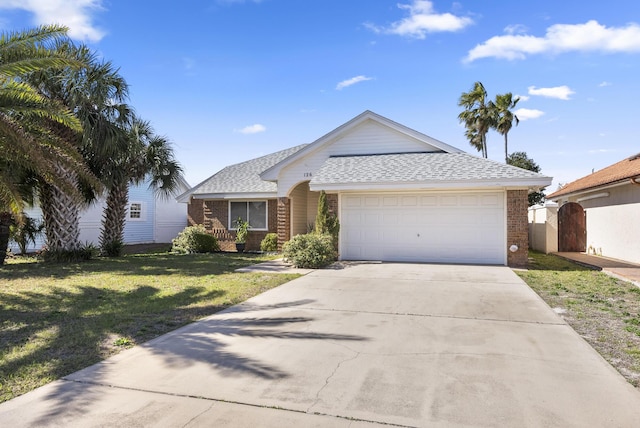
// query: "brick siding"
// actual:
[[517, 227], [214, 215], [284, 221]]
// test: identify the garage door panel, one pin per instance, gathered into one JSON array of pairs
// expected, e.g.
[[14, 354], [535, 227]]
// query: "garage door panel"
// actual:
[[447, 228]]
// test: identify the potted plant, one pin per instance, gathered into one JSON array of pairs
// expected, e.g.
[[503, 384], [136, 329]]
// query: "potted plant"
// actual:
[[242, 231]]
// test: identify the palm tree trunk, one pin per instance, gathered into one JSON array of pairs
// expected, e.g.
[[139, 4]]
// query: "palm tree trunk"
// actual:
[[5, 222], [113, 220], [506, 152], [61, 214]]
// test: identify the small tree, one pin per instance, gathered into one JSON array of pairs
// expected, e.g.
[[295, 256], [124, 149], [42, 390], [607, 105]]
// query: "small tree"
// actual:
[[25, 232], [326, 222], [521, 160]]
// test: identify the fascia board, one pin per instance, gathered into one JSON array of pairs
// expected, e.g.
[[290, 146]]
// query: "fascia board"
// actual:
[[511, 184], [255, 195]]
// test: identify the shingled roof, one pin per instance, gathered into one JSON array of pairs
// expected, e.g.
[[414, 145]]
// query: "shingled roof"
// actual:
[[417, 167], [242, 177], [624, 170]]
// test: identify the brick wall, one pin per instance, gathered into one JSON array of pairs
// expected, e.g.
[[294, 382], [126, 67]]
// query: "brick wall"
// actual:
[[284, 221], [517, 227], [214, 215], [332, 202]]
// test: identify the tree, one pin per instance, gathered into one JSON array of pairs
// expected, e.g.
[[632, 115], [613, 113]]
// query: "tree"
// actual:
[[479, 116], [97, 94], [326, 222], [27, 147], [504, 106], [146, 155], [521, 160]]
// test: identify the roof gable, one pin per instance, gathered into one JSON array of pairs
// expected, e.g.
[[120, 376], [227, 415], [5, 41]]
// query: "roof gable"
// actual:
[[624, 170], [421, 141]]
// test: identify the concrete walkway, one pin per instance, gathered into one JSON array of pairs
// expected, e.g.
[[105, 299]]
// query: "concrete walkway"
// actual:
[[617, 268], [366, 345]]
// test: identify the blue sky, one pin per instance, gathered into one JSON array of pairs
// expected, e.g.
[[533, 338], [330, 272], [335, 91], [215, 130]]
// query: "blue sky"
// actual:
[[229, 80]]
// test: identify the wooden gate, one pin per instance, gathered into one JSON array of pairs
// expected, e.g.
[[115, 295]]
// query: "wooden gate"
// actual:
[[572, 228]]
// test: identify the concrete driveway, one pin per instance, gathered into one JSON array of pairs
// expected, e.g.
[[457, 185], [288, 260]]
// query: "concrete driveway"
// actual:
[[369, 344]]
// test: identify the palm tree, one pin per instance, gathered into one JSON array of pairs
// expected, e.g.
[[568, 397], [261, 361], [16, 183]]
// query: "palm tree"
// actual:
[[97, 94], [478, 116], [26, 145], [504, 105], [147, 155]]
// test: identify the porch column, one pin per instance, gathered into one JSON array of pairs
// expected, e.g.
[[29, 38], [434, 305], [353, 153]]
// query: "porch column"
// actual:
[[284, 221], [517, 227]]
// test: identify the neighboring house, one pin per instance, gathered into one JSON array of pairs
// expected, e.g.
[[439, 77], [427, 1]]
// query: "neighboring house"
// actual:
[[543, 227], [599, 212], [151, 218], [400, 195]]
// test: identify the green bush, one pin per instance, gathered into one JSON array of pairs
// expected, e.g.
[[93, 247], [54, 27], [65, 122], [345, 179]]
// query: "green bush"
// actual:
[[310, 251], [270, 242], [195, 239], [83, 253], [25, 232]]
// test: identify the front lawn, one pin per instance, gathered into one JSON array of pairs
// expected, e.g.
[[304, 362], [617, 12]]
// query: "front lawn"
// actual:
[[57, 319], [605, 311]]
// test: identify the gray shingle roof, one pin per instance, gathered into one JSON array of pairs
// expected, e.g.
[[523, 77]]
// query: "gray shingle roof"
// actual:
[[416, 167], [244, 177]]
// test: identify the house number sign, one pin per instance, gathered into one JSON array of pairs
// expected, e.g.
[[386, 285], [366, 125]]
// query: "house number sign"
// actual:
[[307, 174]]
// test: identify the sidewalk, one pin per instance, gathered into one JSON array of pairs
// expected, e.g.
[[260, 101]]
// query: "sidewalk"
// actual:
[[617, 268]]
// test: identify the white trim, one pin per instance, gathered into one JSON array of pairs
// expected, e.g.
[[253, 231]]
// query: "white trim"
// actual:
[[407, 186], [596, 196], [266, 214], [143, 211], [231, 196]]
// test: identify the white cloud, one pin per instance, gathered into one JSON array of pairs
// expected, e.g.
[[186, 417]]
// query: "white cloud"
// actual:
[[352, 81], [527, 113], [588, 37], [515, 29], [422, 19], [252, 129], [75, 14], [605, 83], [523, 98], [559, 92]]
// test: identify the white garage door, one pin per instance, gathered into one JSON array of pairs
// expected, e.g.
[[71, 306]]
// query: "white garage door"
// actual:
[[424, 227]]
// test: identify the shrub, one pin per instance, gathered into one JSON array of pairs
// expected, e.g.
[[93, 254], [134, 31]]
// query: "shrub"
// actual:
[[310, 251], [270, 242], [195, 239], [242, 230], [25, 232], [83, 253]]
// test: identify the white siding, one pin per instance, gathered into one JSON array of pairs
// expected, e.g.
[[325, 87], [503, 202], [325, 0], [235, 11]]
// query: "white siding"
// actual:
[[171, 218], [614, 231], [368, 138]]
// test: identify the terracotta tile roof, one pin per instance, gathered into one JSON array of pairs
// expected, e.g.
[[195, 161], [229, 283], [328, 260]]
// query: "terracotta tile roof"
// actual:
[[623, 170]]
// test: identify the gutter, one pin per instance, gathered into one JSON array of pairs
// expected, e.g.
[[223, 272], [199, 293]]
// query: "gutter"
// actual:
[[634, 181]]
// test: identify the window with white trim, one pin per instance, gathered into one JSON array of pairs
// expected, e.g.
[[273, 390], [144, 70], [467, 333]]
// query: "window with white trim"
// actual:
[[136, 211], [255, 212]]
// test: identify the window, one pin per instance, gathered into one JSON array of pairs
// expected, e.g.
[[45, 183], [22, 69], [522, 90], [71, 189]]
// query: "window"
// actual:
[[135, 211], [255, 212]]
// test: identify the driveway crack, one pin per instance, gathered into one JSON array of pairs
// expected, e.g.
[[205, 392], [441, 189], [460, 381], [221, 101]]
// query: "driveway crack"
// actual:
[[333, 373]]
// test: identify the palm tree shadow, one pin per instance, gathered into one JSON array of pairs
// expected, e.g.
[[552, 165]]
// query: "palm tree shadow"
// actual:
[[209, 342]]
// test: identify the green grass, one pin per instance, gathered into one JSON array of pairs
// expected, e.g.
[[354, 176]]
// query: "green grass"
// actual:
[[57, 319], [605, 311]]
